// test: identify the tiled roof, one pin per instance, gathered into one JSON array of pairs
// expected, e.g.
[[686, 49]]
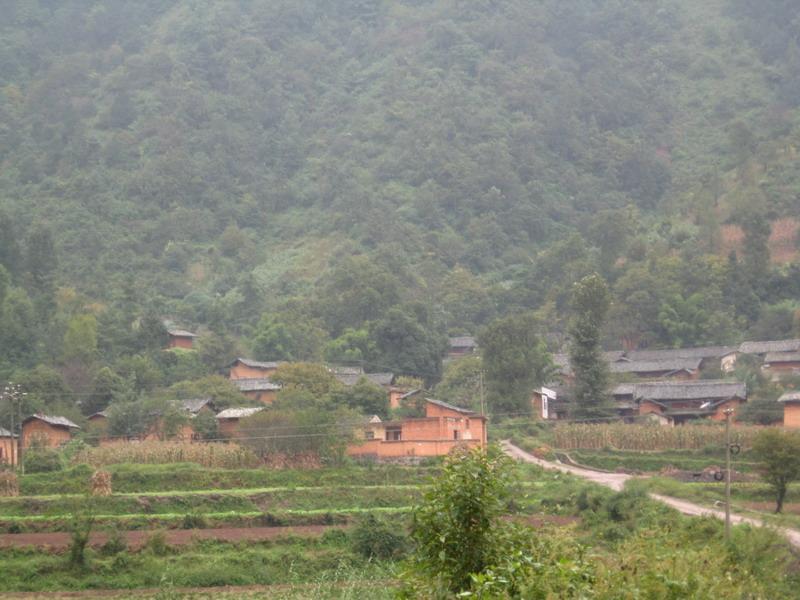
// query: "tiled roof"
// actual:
[[464, 341], [779, 357], [181, 333], [623, 389], [790, 397], [238, 413], [665, 391], [772, 346], [195, 405], [652, 366], [703, 352], [256, 385], [350, 379], [345, 370], [6, 433], [256, 364], [465, 411], [56, 421], [101, 413], [410, 393]]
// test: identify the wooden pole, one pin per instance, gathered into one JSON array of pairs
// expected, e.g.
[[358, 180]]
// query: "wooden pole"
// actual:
[[728, 413]]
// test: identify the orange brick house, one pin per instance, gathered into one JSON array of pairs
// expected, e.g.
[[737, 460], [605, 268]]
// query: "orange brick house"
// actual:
[[228, 420], [245, 368], [262, 390], [682, 401], [778, 365], [791, 409], [8, 447], [48, 430], [443, 428], [180, 338]]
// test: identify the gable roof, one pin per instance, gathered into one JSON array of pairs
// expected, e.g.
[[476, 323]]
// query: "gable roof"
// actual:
[[350, 379], [101, 413], [256, 385], [410, 393], [790, 397], [665, 391], [464, 341], [345, 370], [782, 357], [180, 333], [239, 413], [670, 353], [257, 364], [195, 405], [441, 404], [6, 433], [653, 366], [50, 420], [771, 346]]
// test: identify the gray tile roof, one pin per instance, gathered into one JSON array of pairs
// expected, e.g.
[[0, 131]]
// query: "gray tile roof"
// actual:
[[703, 352], [257, 364], [100, 413], [790, 397], [654, 366], [181, 333], [464, 341], [6, 433], [465, 411], [781, 357], [195, 405], [345, 370], [623, 389], [239, 413], [56, 421], [350, 379], [256, 385], [665, 391], [772, 346]]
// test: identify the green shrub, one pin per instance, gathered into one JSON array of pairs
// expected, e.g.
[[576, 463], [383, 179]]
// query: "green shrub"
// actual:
[[194, 521], [42, 460], [115, 543], [374, 538], [156, 544]]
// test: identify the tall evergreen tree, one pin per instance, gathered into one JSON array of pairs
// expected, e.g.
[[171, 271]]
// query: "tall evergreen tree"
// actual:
[[9, 245], [590, 304]]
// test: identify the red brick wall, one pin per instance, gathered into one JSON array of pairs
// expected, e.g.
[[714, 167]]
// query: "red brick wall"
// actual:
[[240, 371], [52, 436]]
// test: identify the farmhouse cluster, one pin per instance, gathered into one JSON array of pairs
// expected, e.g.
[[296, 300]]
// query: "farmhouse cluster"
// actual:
[[668, 387]]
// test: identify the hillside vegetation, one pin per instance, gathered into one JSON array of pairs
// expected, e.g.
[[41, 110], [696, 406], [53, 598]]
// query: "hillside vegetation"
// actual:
[[354, 180]]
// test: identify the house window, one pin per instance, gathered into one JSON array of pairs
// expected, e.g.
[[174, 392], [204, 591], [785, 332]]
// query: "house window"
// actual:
[[393, 435], [370, 435], [455, 434]]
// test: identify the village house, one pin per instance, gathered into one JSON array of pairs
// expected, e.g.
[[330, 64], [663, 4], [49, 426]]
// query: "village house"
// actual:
[[47, 430], [791, 409], [719, 357], [461, 346], [443, 428], [228, 420], [764, 348], [778, 365], [180, 338], [245, 368], [399, 396], [668, 368], [97, 426], [350, 376], [8, 447], [682, 401], [261, 390], [544, 404]]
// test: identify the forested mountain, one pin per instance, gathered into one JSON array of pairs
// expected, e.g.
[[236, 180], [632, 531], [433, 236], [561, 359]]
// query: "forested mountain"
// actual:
[[355, 179]]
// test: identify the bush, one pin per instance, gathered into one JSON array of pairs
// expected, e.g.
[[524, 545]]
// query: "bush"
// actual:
[[374, 538], [42, 460], [115, 544], [156, 543], [194, 521]]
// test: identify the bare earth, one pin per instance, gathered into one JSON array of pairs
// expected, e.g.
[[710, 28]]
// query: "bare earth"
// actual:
[[616, 481], [59, 541]]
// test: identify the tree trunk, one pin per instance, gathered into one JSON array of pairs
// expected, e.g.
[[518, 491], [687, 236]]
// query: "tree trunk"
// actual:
[[781, 495]]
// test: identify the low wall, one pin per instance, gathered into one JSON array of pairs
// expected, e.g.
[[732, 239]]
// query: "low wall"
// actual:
[[381, 449]]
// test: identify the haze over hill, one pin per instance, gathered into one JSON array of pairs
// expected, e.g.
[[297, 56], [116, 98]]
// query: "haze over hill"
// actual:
[[348, 177]]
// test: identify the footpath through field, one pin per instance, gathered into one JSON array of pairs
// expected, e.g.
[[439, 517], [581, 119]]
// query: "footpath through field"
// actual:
[[616, 481], [58, 541]]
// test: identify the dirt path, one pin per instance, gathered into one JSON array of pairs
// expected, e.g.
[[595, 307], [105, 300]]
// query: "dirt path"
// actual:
[[58, 541], [616, 481]]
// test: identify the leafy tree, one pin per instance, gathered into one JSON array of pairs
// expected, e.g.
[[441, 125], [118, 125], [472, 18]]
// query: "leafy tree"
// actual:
[[18, 330], [778, 451], [313, 378], [106, 386], [364, 397], [223, 393], [80, 339], [151, 333], [457, 528], [353, 346], [282, 338], [216, 350], [461, 382], [41, 264], [516, 361], [590, 303], [10, 255]]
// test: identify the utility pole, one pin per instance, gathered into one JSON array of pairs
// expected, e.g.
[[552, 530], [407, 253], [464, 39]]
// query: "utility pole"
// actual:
[[483, 399], [728, 413], [12, 393]]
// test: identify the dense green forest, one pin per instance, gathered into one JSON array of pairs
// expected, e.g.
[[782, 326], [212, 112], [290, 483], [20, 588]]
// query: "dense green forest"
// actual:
[[355, 180]]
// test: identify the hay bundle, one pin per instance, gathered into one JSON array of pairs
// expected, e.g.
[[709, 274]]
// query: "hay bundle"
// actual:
[[9, 486], [101, 483]]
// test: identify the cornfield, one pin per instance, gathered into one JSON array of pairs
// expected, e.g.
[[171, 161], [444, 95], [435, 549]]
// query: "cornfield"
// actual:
[[9, 486], [224, 456], [622, 436]]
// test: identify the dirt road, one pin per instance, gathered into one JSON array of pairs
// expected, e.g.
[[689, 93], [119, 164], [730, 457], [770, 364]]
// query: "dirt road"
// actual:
[[58, 541], [616, 481]]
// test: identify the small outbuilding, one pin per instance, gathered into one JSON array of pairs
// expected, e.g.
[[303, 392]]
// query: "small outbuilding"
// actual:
[[262, 390], [228, 420], [48, 430], [791, 409], [8, 447], [246, 368], [180, 338]]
